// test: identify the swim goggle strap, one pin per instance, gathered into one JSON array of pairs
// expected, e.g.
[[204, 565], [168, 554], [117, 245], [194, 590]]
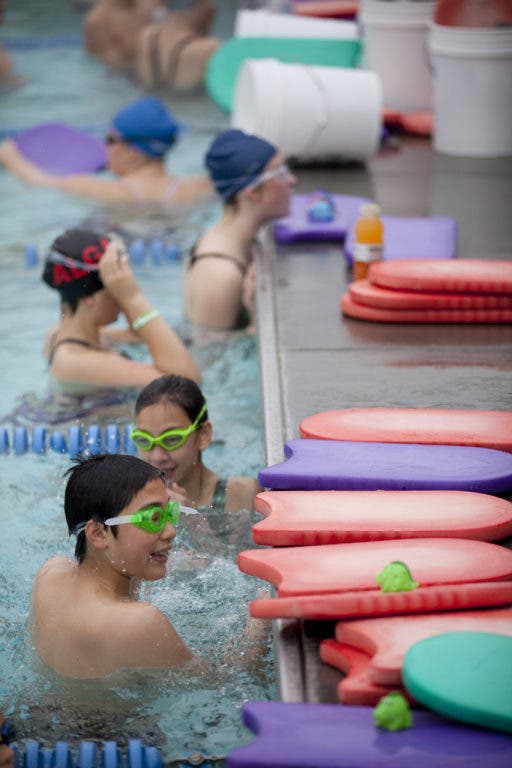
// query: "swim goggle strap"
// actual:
[[279, 173], [151, 518], [169, 440]]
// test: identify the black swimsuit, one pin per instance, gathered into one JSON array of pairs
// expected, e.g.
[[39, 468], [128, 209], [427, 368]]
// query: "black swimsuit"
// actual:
[[161, 77], [81, 343], [70, 340]]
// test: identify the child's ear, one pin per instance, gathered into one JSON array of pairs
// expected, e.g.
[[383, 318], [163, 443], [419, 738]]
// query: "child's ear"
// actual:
[[96, 534], [205, 435]]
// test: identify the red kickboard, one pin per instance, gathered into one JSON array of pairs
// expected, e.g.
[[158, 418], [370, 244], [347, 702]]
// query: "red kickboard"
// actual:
[[371, 295], [356, 688], [457, 275], [305, 518], [388, 639], [358, 311], [373, 602], [347, 567], [330, 9], [427, 426]]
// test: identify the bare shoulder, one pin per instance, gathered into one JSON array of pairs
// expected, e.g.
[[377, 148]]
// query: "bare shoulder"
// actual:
[[143, 637], [240, 493], [55, 567]]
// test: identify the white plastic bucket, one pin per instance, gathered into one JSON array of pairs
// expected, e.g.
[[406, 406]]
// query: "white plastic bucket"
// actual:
[[263, 23], [472, 90], [310, 113], [395, 38]]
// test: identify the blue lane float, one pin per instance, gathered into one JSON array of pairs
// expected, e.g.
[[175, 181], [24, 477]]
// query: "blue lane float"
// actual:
[[157, 251], [89, 755], [35, 43], [113, 439]]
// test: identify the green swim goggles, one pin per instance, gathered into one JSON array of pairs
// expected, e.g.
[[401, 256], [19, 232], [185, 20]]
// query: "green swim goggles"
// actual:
[[151, 518], [170, 440]]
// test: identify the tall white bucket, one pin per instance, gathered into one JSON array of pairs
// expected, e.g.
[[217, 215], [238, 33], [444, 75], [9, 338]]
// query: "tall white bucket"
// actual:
[[395, 46], [263, 23], [310, 113], [472, 90]]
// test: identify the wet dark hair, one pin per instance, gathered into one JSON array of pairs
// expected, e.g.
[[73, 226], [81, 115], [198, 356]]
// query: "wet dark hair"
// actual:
[[100, 487], [177, 390]]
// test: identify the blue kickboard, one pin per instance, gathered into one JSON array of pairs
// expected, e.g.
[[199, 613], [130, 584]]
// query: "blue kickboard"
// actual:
[[330, 465]]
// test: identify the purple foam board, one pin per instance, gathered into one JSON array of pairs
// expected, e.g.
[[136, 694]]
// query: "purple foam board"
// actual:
[[290, 735], [413, 238], [297, 227], [331, 465], [61, 149]]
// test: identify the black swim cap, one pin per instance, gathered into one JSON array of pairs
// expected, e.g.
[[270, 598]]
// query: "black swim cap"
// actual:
[[63, 270]]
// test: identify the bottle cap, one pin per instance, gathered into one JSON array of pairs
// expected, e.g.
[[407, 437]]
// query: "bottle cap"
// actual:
[[369, 209]]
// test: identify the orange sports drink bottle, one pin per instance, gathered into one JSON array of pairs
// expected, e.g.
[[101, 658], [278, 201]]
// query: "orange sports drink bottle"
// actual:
[[369, 240]]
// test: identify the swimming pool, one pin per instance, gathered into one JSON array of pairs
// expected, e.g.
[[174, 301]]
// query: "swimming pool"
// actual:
[[204, 595]]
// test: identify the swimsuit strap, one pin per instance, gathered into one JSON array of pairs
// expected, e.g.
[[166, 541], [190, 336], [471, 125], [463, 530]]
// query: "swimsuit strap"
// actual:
[[219, 495], [69, 340], [194, 258], [153, 55], [174, 58]]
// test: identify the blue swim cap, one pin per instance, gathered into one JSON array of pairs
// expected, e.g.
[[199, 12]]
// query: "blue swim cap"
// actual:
[[147, 125], [235, 159]]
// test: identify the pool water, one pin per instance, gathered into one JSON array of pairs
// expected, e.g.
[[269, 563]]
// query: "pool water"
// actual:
[[204, 595]]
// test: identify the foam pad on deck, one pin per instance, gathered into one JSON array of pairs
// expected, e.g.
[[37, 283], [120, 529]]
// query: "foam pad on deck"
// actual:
[[298, 227], [364, 292], [439, 426], [413, 238], [351, 308], [347, 465], [61, 149], [372, 602], [388, 639], [293, 735], [458, 275], [346, 567], [464, 675], [356, 687], [298, 518]]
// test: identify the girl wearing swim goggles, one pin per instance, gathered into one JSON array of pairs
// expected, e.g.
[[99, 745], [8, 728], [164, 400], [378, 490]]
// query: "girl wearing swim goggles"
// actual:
[[171, 432]]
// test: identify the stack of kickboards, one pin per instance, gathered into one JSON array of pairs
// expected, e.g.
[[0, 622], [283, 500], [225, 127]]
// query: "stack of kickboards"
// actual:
[[384, 521], [433, 291]]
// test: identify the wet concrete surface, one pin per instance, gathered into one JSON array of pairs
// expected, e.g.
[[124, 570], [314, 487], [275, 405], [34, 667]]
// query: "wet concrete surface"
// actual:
[[314, 359]]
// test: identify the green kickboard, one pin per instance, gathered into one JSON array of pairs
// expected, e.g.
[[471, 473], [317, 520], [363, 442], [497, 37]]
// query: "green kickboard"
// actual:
[[464, 675], [224, 64]]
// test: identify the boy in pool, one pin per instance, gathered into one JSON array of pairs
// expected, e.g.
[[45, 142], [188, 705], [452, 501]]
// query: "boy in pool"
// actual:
[[255, 185], [85, 622], [139, 137]]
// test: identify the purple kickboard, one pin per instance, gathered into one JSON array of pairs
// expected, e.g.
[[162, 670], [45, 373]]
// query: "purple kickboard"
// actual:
[[61, 149], [329, 465], [297, 226], [413, 238], [290, 735]]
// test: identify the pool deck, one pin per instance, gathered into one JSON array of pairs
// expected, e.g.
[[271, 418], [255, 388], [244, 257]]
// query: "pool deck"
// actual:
[[314, 359]]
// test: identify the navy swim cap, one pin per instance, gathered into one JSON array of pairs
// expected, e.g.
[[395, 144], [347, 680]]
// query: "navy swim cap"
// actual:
[[63, 268], [235, 159], [147, 125]]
